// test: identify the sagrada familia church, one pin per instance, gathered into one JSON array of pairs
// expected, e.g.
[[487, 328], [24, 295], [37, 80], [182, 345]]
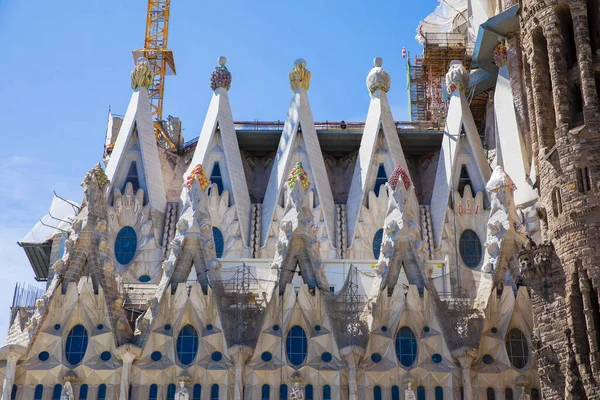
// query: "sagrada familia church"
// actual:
[[449, 257]]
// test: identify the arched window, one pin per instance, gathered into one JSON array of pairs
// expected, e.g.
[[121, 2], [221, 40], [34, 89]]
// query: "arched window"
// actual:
[[508, 394], [283, 392], [39, 392], [380, 180], [556, 202], [308, 392], [125, 245], [130, 392], [296, 345], [57, 392], [83, 392], [377, 393], [470, 248], [265, 392], [326, 392], [420, 393], [187, 344], [490, 393], [132, 177], [406, 346], [171, 389], [584, 184], [101, 392], [153, 392], [13, 392], [463, 180], [214, 392], [377, 239], [215, 177], [219, 242], [439, 393], [395, 393], [535, 394], [76, 345], [517, 348], [543, 79], [197, 391]]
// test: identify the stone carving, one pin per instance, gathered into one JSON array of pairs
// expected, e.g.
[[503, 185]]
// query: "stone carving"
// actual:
[[378, 78], [298, 174], [142, 74], [197, 173], [500, 56], [220, 77], [300, 76], [409, 394], [67, 392], [296, 393], [99, 174], [457, 77], [182, 392], [535, 260]]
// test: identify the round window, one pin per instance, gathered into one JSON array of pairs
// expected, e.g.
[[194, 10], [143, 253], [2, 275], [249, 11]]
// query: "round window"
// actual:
[[125, 245], [296, 345], [217, 356], [436, 358], [187, 344], [326, 357], [43, 356], [376, 357], [144, 278], [76, 345], [156, 356], [266, 356], [470, 248], [517, 348], [105, 355]]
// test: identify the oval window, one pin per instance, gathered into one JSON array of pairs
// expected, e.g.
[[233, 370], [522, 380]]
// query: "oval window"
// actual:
[[76, 345], [125, 245], [296, 345], [377, 239], [406, 346], [187, 344], [219, 243], [517, 348], [470, 248]]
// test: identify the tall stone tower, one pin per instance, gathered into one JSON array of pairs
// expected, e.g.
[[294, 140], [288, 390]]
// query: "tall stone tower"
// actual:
[[559, 46]]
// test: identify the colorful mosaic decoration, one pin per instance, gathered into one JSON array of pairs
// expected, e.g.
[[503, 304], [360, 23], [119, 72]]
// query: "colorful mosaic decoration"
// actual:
[[500, 56], [198, 172], [97, 172], [399, 173], [220, 77], [300, 76], [298, 173], [142, 75]]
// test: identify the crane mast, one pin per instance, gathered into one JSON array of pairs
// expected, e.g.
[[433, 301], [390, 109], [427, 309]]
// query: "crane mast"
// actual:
[[160, 59]]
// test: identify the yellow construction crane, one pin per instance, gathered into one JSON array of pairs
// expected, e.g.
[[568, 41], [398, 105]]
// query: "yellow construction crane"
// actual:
[[159, 58]]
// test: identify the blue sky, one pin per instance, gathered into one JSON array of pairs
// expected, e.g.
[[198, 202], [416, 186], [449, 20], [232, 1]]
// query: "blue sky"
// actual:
[[65, 62]]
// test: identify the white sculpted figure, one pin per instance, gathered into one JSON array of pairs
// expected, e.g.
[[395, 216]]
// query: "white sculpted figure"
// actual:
[[409, 394], [457, 77], [182, 393], [67, 392]]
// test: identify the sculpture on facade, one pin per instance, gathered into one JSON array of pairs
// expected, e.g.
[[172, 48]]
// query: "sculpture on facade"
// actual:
[[378, 78], [182, 392], [67, 392], [457, 77]]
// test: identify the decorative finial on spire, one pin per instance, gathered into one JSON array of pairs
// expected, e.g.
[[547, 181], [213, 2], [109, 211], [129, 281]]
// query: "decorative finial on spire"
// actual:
[[98, 173], [378, 78], [142, 75], [300, 76], [220, 77], [457, 77], [298, 173]]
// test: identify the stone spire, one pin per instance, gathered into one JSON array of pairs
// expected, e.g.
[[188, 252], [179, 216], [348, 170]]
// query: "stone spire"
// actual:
[[300, 76], [378, 78], [220, 77], [142, 75]]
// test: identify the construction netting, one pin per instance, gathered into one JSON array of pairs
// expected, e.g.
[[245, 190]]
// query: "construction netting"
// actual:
[[450, 16]]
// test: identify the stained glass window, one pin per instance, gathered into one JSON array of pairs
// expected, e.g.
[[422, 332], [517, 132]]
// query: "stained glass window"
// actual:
[[439, 393], [326, 392], [470, 248], [101, 392], [490, 394], [153, 392], [197, 391], [283, 392], [517, 348], [214, 392], [395, 393], [377, 239], [187, 344], [508, 394], [83, 392], [171, 389], [57, 392], [39, 392], [420, 393], [308, 392], [219, 242], [406, 346], [296, 345], [265, 392], [125, 245], [76, 345], [377, 393]]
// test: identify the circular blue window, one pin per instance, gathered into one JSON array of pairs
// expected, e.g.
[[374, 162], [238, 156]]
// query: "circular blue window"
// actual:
[[377, 239], [436, 358], [125, 245], [296, 345], [317, 328], [144, 278], [266, 356], [105, 355], [219, 242], [167, 327], [384, 328], [156, 356], [376, 357], [494, 330], [187, 344], [56, 327], [326, 357], [426, 329], [216, 356], [487, 359], [209, 327], [44, 355], [406, 346], [100, 327], [275, 327], [76, 345], [470, 248]]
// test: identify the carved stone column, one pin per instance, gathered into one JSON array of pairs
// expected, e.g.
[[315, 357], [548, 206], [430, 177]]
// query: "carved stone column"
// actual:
[[585, 287], [542, 111], [558, 71], [352, 355], [127, 353], [12, 353], [465, 357], [240, 354]]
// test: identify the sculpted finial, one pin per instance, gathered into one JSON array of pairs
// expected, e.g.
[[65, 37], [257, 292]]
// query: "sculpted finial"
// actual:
[[457, 77], [220, 77], [142, 75], [378, 78], [300, 76]]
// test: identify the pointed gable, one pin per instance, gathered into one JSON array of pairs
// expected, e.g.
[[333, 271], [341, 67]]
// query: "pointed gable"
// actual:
[[136, 143], [299, 132], [461, 146], [218, 150], [368, 172]]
